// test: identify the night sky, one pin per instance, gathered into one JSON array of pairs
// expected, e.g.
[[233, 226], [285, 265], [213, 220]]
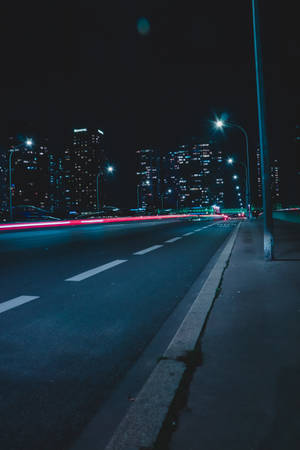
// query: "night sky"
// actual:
[[84, 64]]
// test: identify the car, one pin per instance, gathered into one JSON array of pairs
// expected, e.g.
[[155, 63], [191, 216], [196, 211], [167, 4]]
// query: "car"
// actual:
[[24, 213]]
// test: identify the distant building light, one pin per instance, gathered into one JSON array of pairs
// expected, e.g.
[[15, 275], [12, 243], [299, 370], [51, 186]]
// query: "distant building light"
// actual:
[[79, 130], [100, 131]]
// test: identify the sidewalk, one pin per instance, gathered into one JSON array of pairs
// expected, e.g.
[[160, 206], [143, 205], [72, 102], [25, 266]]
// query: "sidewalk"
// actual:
[[245, 395]]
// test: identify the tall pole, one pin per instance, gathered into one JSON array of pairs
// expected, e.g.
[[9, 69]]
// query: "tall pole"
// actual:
[[138, 195], [265, 164], [97, 188], [10, 193]]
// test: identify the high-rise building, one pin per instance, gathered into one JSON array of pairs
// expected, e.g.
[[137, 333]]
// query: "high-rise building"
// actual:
[[275, 180], [3, 181], [30, 173], [148, 173], [259, 179], [56, 183], [196, 172], [82, 161], [275, 191]]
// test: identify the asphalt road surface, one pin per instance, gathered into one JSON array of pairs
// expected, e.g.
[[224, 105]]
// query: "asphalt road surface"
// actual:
[[78, 307]]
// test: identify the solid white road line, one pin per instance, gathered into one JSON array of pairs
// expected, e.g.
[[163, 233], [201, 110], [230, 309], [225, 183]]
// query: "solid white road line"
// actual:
[[90, 273], [147, 250], [173, 240], [188, 234], [13, 303]]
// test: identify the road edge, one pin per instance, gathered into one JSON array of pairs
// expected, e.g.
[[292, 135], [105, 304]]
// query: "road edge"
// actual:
[[140, 427]]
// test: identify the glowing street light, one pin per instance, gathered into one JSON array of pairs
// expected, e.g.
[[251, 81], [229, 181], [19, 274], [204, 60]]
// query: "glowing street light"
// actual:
[[29, 142], [219, 123], [230, 160], [235, 177], [109, 169]]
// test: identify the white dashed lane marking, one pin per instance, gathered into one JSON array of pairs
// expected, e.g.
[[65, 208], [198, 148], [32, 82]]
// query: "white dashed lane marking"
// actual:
[[147, 250], [173, 240], [17, 301], [91, 272]]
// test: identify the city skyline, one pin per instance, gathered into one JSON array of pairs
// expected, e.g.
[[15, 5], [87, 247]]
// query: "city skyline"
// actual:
[[195, 174]]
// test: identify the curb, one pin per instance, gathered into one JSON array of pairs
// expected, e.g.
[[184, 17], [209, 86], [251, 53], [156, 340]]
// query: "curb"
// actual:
[[141, 425]]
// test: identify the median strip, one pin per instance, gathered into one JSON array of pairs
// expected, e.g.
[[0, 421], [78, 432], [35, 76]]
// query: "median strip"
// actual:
[[17, 301], [92, 272], [147, 250]]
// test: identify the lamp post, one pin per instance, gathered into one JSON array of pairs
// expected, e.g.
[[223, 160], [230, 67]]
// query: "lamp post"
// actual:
[[263, 140], [169, 191], [235, 177], [221, 124], [109, 169], [28, 143], [147, 183]]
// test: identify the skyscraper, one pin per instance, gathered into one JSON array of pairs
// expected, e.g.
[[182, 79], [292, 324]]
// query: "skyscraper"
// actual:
[[275, 180], [275, 191], [148, 173], [3, 181], [56, 184], [82, 161], [30, 173], [196, 172]]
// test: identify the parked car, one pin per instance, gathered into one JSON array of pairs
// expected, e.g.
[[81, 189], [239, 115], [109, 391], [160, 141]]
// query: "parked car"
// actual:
[[4, 216], [24, 213]]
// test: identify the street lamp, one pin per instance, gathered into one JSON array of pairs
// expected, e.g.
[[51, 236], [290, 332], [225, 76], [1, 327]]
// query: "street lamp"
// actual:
[[109, 169], [169, 191], [220, 124], [27, 143], [147, 183], [230, 161]]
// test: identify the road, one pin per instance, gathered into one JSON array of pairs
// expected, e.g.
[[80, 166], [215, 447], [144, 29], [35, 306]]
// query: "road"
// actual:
[[78, 307]]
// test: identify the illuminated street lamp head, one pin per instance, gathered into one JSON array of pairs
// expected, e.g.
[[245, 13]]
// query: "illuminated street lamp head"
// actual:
[[169, 191], [237, 187], [110, 169], [235, 177], [219, 123], [28, 142], [230, 160], [148, 183]]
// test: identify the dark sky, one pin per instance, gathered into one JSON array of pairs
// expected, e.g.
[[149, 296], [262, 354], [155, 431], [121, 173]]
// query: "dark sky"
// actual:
[[84, 63]]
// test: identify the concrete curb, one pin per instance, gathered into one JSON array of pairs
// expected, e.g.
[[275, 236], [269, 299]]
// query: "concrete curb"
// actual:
[[142, 423]]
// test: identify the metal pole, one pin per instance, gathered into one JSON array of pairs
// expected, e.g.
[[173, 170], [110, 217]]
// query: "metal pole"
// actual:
[[248, 205], [10, 193], [265, 165], [97, 187], [138, 195]]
